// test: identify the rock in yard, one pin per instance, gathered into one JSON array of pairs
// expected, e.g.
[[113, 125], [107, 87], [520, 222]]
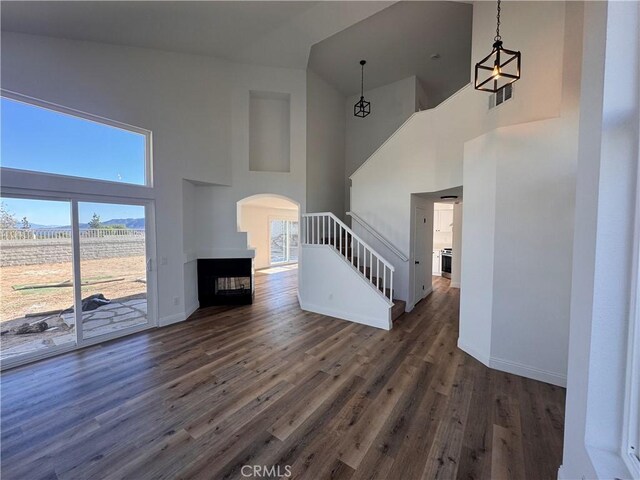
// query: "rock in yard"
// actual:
[[25, 328]]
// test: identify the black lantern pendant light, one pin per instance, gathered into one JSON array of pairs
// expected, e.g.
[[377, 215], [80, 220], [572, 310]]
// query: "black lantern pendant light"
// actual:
[[362, 108], [501, 67]]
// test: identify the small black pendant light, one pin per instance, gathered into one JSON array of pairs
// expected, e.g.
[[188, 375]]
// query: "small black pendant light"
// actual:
[[501, 65], [362, 108]]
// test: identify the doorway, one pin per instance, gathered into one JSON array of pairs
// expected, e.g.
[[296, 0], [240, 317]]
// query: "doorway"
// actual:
[[271, 223], [421, 233], [442, 239], [283, 241]]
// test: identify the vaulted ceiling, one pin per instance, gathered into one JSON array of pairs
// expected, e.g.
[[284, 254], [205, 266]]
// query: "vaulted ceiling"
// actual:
[[398, 42], [396, 38], [256, 32]]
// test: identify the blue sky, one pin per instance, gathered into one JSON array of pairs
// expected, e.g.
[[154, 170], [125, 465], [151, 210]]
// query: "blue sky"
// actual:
[[38, 139]]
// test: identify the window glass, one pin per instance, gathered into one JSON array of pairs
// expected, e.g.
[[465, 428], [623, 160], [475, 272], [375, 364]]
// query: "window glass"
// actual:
[[46, 141]]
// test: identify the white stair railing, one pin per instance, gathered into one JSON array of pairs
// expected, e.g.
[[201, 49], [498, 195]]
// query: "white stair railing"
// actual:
[[326, 229]]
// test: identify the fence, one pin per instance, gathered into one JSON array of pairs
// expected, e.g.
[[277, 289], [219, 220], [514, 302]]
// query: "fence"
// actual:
[[42, 246], [52, 233]]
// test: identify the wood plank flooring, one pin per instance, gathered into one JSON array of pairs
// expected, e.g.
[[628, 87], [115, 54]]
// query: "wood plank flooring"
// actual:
[[271, 385]]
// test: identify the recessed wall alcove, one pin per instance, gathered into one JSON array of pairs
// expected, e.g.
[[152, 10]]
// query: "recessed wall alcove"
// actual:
[[269, 132]]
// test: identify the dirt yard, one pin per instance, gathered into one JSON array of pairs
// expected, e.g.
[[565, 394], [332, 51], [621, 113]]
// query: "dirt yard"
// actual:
[[128, 273]]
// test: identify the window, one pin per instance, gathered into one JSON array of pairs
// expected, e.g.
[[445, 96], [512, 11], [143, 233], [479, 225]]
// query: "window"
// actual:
[[76, 236], [44, 140], [284, 240]]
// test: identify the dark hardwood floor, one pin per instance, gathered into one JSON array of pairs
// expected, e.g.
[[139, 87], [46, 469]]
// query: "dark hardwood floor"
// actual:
[[271, 385]]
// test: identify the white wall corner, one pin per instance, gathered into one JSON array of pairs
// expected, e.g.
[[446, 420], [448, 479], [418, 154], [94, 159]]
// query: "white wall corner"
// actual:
[[481, 357], [190, 310], [171, 319], [554, 378], [427, 292]]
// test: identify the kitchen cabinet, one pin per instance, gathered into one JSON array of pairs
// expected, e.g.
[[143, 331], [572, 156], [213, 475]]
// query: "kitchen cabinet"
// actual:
[[443, 220], [436, 263]]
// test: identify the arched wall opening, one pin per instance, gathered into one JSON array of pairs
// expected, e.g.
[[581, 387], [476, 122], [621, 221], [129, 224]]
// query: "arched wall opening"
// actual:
[[272, 224]]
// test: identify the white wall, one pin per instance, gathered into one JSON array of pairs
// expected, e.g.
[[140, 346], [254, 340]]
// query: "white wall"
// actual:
[[332, 286], [391, 105], [256, 222], [456, 245], [189, 229], [428, 154], [325, 147], [531, 237], [198, 110], [269, 132], [476, 280], [531, 244], [606, 215]]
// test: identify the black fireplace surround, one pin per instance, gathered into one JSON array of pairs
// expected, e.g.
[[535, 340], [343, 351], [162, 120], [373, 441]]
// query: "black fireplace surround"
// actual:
[[225, 281]]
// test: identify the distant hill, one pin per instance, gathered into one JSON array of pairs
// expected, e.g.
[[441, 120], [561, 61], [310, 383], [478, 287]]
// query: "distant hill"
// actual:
[[127, 222], [134, 223]]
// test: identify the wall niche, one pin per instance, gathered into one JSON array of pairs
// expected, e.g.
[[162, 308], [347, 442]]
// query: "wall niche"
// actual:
[[269, 132]]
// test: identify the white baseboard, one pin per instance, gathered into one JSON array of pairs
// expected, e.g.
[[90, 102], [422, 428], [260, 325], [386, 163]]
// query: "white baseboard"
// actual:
[[485, 359], [527, 371], [178, 317], [454, 284], [428, 292], [514, 367], [342, 315], [171, 319], [561, 474]]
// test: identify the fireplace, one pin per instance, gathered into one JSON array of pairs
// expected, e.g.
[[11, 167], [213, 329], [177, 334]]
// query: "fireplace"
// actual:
[[225, 281]]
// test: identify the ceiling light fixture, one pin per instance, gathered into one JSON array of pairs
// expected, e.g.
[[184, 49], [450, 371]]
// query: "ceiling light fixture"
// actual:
[[448, 197], [362, 108], [503, 65]]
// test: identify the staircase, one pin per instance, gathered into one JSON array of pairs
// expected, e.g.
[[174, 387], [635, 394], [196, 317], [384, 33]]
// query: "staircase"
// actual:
[[326, 230]]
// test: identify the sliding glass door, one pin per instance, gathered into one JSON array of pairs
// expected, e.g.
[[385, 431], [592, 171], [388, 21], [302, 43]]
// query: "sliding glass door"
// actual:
[[76, 237], [113, 267], [284, 241], [72, 273], [36, 277]]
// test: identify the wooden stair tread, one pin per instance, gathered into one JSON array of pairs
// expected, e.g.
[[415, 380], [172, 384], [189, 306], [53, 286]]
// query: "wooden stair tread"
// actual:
[[398, 309]]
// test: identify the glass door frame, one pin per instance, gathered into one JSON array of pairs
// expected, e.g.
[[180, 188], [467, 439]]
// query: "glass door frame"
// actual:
[[287, 240], [150, 246]]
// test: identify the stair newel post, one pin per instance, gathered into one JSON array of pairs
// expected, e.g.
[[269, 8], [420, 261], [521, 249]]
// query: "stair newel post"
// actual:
[[391, 287]]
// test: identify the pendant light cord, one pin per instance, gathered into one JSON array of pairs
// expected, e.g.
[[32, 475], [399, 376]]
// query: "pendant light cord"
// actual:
[[498, 37], [361, 80]]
